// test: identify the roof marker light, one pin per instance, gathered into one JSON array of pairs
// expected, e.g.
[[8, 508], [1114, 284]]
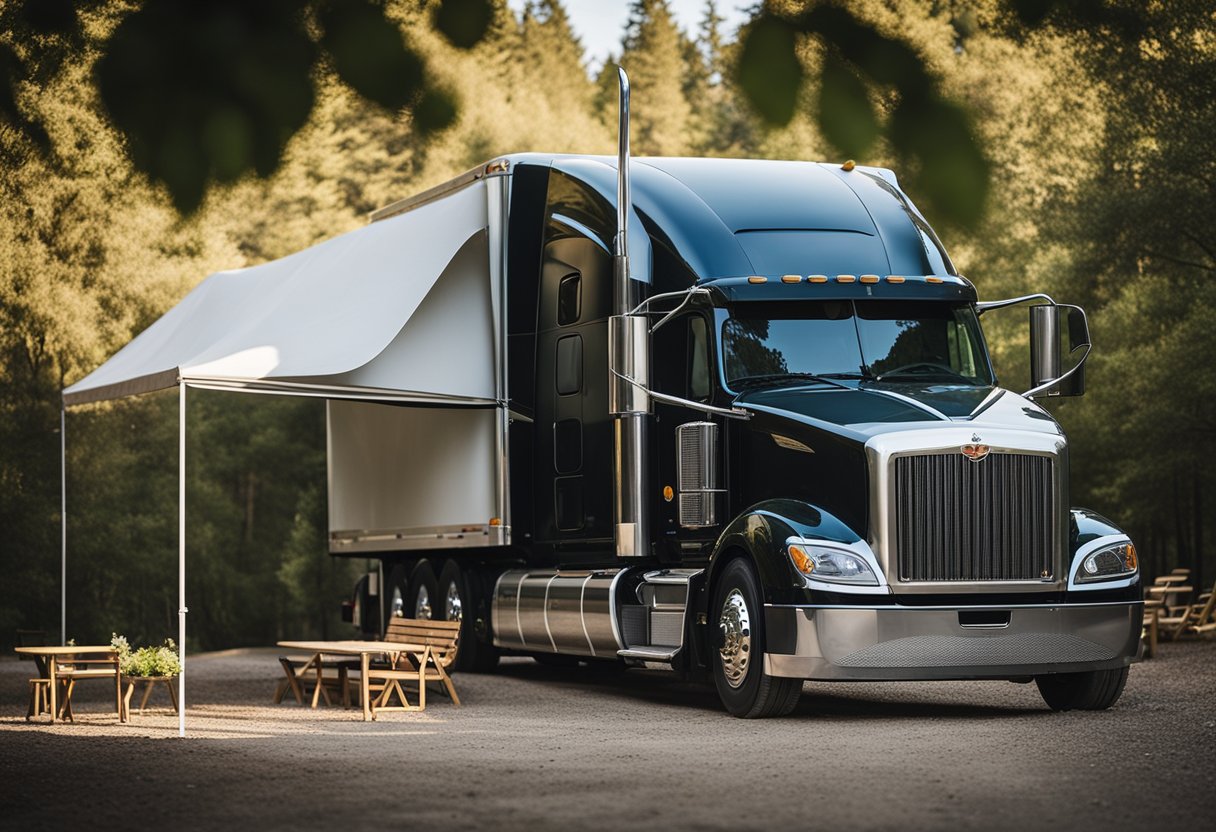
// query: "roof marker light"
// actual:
[[933, 279], [791, 278], [869, 278], [757, 278], [848, 165], [845, 278], [817, 278], [894, 278]]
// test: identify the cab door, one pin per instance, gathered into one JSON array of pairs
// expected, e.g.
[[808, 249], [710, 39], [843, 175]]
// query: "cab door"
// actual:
[[689, 458]]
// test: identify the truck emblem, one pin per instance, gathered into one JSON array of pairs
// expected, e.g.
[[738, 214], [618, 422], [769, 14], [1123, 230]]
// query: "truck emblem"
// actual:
[[975, 453], [975, 437]]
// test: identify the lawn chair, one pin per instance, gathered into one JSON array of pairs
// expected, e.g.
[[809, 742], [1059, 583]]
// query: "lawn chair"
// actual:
[[1196, 618]]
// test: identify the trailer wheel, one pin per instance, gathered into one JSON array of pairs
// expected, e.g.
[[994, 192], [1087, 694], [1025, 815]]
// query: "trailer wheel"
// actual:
[[738, 649], [1095, 690], [396, 594], [424, 592], [457, 603]]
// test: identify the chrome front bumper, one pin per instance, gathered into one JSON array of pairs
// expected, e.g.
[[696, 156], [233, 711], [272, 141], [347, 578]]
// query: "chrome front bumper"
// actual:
[[908, 643]]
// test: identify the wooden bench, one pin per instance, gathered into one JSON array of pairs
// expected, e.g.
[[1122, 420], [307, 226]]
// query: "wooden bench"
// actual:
[[438, 639], [77, 670]]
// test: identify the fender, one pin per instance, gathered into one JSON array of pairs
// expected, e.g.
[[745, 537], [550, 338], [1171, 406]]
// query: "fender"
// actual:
[[761, 531]]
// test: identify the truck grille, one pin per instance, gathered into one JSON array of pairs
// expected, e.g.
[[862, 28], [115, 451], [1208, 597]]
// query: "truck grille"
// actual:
[[957, 520]]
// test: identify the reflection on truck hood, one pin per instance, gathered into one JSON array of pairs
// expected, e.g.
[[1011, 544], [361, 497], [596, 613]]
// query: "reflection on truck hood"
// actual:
[[874, 407]]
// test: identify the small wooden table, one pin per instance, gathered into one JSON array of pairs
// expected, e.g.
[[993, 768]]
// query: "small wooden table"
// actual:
[[104, 668], [150, 682], [363, 649]]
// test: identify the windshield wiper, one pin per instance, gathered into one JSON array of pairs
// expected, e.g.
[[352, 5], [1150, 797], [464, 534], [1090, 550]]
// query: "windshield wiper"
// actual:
[[831, 379]]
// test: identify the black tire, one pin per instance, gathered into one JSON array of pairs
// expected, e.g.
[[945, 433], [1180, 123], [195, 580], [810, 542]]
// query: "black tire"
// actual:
[[424, 592], [456, 603], [1095, 690], [395, 595], [738, 661]]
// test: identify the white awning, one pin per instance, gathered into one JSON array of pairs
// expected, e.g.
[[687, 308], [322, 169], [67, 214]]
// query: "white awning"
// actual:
[[401, 309]]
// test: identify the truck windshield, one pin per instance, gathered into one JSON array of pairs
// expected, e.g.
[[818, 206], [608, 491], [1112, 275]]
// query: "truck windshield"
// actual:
[[897, 341]]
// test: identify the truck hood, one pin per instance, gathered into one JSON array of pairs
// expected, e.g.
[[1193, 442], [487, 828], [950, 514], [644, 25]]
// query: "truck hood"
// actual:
[[871, 408]]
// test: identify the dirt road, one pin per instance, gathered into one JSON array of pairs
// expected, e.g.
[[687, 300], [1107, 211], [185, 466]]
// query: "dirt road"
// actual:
[[539, 748]]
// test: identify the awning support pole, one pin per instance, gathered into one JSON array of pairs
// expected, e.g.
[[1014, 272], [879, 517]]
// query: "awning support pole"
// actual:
[[181, 557], [63, 524]]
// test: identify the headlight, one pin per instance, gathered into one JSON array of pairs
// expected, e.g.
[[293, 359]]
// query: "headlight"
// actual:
[[1106, 564], [826, 564]]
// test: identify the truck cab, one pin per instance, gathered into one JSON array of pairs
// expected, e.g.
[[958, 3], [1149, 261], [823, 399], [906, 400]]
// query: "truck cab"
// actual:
[[769, 446]]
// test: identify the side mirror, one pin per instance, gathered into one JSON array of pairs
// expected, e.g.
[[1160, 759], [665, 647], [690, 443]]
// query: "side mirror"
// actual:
[[1046, 378]]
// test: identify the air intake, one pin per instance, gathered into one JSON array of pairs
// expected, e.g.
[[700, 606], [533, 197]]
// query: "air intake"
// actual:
[[699, 477]]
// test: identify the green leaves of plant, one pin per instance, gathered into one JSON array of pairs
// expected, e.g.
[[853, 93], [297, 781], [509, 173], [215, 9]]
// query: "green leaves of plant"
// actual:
[[369, 52], [932, 136], [463, 22], [845, 115], [208, 91], [769, 70]]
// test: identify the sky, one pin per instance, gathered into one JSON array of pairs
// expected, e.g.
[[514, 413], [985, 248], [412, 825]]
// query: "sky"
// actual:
[[599, 24]]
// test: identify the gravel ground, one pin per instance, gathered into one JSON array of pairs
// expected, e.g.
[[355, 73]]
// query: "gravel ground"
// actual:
[[544, 748]]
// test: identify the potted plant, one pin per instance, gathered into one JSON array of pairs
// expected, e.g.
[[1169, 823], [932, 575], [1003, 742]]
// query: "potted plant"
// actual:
[[147, 662]]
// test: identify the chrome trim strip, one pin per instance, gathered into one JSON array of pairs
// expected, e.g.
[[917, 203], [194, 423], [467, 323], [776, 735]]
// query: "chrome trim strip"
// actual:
[[613, 617], [976, 607], [582, 615], [519, 627], [908, 400], [988, 402], [983, 306], [545, 611], [431, 194]]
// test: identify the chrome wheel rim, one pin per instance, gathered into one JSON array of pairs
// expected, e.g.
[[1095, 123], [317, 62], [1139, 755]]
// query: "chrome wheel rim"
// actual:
[[735, 653], [397, 603], [452, 605], [422, 607]]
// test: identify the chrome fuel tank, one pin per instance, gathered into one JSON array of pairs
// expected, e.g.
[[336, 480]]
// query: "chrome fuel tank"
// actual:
[[548, 611]]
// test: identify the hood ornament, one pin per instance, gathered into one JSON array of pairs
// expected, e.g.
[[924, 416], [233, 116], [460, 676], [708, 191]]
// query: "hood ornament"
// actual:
[[975, 452]]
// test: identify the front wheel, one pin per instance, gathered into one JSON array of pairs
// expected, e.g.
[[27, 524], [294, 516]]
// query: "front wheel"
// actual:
[[738, 659], [1095, 690]]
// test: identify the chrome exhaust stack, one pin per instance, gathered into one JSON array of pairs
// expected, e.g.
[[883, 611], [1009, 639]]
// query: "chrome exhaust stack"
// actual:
[[628, 369]]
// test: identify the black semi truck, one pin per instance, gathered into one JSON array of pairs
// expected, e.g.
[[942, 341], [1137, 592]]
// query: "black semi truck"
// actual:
[[745, 426]]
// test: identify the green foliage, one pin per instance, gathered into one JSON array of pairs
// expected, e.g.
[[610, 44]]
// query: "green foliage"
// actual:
[[932, 137], [204, 93], [1099, 150]]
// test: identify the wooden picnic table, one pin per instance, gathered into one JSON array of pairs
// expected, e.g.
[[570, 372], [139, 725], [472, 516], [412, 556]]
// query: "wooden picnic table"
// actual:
[[363, 649], [70, 655]]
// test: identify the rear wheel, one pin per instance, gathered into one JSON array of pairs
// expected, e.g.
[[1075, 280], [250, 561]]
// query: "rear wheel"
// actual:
[[458, 604], [738, 655], [1095, 690], [424, 592], [396, 593]]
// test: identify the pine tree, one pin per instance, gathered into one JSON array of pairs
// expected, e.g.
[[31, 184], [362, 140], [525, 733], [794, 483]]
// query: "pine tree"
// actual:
[[654, 55]]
